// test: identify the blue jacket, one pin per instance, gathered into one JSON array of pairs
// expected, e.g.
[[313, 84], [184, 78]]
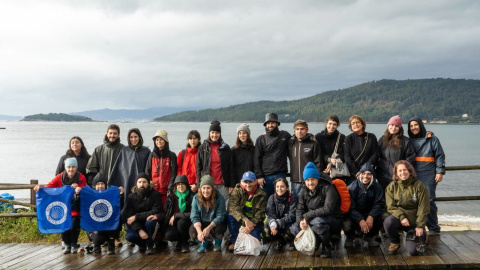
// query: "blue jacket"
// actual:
[[282, 210], [429, 158], [200, 214], [366, 202]]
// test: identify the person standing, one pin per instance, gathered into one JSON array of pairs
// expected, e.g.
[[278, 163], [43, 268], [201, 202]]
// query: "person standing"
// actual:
[[271, 152], [243, 152], [302, 148], [105, 155], [77, 150], [429, 165], [187, 159], [327, 139]]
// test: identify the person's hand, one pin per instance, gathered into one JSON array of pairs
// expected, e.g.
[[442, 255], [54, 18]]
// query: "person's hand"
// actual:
[[261, 181], [405, 222], [206, 231], [249, 224], [143, 234], [329, 167], [152, 217], [74, 185], [172, 219], [200, 237], [246, 230], [419, 232], [130, 220], [303, 224], [230, 189], [36, 188], [438, 177], [194, 187], [273, 230], [364, 226], [332, 161], [121, 190], [369, 221], [77, 190]]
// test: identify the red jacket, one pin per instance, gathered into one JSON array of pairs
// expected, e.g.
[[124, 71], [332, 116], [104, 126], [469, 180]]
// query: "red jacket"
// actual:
[[162, 171], [57, 182], [188, 165]]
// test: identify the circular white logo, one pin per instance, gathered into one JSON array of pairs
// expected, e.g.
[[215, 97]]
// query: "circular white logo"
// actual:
[[56, 213], [100, 210]]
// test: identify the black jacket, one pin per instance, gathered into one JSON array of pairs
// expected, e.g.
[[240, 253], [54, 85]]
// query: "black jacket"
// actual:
[[302, 152], [323, 201], [386, 158], [327, 145], [171, 203], [141, 208], [226, 162], [354, 145], [271, 152], [282, 209], [82, 165], [242, 161], [369, 201]]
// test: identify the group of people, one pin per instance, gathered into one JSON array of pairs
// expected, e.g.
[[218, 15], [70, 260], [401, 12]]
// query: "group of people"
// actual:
[[210, 191]]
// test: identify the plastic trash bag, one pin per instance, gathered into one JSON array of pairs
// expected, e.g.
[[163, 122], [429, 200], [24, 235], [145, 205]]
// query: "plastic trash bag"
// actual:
[[246, 244], [305, 241]]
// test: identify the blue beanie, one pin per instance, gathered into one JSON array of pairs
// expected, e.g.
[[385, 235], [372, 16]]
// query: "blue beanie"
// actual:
[[249, 176], [310, 171], [71, 162]]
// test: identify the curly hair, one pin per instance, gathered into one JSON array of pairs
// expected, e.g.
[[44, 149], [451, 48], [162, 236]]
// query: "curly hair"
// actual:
[[407, 164]]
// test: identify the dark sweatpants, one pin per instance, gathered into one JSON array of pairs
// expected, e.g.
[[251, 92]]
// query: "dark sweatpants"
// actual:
[[392, 226], [71, 236], [179, 230]]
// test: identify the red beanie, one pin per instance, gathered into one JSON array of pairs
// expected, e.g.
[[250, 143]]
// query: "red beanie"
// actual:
[[395, 120]]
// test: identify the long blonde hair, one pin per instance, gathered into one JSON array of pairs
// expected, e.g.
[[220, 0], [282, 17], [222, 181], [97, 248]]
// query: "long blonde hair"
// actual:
[[204, 203]]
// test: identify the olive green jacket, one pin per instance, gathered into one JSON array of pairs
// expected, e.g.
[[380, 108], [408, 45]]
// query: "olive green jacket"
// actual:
[[237, 200], [408, 199]]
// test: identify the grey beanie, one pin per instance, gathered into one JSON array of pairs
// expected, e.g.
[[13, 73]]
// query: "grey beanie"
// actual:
[[162, 134], [245, 127], [206, 180]]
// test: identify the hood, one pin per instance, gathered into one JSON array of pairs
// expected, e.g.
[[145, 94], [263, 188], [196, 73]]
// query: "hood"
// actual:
[[140, 141], [423, 131], [368, 167], [99, 178], [309, 137]]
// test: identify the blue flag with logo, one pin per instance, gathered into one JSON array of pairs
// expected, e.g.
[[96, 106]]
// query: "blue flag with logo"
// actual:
[[99, 209], [54, 206]]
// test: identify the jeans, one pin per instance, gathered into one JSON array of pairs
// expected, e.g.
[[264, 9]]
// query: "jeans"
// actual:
[[234, 227], [135, 238], [269, 186], [432, 218], [295, 188]]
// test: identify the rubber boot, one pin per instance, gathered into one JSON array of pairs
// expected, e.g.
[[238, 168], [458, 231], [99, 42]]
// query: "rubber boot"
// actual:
[[217, 244], [203, 247]]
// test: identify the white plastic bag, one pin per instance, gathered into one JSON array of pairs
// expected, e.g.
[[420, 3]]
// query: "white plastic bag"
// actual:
[[305, 241], [246, 244]]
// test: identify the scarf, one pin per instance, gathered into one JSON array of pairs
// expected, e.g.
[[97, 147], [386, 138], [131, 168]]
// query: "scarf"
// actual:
[[283, 198], [69, 181], [182, 199], [111, 144], [273, 133], [250, 194]]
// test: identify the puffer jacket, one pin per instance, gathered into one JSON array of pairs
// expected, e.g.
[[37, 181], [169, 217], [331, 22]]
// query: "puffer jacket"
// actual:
[[142, 207], [216, 214], [282, 209], [271, 152], [408, 199], [323, 201], [302, 152], [239, 196], [226, 163], [242, 161], [430, 158], [386, 159], [327, 142], [103, 159]]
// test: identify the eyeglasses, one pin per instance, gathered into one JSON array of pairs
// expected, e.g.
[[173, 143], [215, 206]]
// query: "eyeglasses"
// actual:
[[355, 123]]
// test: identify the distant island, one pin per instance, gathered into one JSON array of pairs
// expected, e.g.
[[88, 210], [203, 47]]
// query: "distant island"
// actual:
[[435, 100], [56, 117]]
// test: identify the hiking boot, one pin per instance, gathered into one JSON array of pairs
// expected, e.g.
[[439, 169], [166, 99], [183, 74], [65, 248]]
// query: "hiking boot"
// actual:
[[231, 247], [392, 249], [151, 249], [326, 252], [185, 248], [203, 247], [371, 242], [348, 242], [433, 233], [279, 246], [118, 243], [111, 247], [142, 248], [217, 244], [97, 249], [178, 246], [67, 249], [74, 248]]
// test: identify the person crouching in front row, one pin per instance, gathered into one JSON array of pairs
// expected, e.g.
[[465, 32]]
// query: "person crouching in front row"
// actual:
[[318, 207], [143, 210], [246, 208]]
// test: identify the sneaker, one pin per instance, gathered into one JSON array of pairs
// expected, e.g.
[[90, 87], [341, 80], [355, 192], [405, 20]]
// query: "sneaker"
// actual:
[[185, 248], [97, 249], [217, 245], [326, 252], [433, 233], [151, 250], [130, 244], [74, 248], [279, 246], [231, 247], [89, 248], [348, 242], [67, 250], [203, 247], [372, 243], [142, 248], [392, 249]]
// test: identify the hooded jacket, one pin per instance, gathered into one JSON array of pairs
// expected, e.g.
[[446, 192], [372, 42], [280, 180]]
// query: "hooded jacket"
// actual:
[[323, 201], [171, 204], [226, 164], [302, 152], [103, 159], [239, 196], [430, 158], [408, 199], [187, 164], [327, 142], [242, 161], [354, 144], [216, 214], [282, 209], [366, 201], [271, 152], [142, 207], [388, 157], [162, 170]]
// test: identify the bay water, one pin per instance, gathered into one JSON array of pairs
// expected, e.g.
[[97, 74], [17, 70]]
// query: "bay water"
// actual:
[[31, 150]]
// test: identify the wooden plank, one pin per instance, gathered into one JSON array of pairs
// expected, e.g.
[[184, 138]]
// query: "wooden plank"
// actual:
[[105, 261], [254, 262], [6, 246], [34, 254], [16, 252], [474, 235], [339, 258], [236, 262], [37, 262], [394, 261], [191, 260], [465, 253], [207, 260], [374, 258], [275, 259], [141, 260], [305, 261], [450, 259], [472, 248]]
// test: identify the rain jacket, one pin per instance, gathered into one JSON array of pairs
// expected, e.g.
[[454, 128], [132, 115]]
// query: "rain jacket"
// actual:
[[302, 152], [388, 157], [162, 171], [103, 159], [239, 196], [271, 152], [282, 209], [226, 164]]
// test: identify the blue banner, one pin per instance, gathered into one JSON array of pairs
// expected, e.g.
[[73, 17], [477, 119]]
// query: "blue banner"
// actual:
[[54, 206], [99, 209]]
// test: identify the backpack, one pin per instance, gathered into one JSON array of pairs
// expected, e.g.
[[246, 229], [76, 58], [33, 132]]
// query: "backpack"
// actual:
[[343, 193]]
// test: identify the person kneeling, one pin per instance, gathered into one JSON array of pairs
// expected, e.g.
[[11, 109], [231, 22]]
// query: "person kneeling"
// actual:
[[246, 208], [144, 207], [318, 207]]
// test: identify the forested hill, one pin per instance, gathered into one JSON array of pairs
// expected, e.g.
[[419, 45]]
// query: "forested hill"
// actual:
[[376, 101], [62, 117]]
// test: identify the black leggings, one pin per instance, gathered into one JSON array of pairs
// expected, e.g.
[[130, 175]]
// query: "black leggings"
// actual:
[[179, 230], [71, 236]]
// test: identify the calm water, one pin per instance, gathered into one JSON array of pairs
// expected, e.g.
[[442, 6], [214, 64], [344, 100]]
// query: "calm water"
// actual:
[[31, 150]]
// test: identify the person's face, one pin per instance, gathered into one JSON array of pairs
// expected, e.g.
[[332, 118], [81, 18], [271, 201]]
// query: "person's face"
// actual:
[[356, 125], [249, 185], [112, 135], [300, 132], [75, 145], [142, 183], [193, 141], [243, 136], [159, 142], [100, 186], [402, 172], [71, 170], [366, 178], [414, 127], [206, 191], [393, 129], [271, 125], [214, 135], [331, 126], [134, 138], [311, 183], [181, 187], [280, 188]]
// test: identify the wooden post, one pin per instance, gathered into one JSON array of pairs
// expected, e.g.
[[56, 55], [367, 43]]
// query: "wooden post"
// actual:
[[33, 199]]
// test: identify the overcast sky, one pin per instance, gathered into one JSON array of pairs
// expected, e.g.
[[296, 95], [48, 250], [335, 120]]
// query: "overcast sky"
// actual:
[[67, 56]]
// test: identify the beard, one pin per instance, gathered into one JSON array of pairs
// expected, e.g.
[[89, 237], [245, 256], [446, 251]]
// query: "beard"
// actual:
[[141, 192]]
